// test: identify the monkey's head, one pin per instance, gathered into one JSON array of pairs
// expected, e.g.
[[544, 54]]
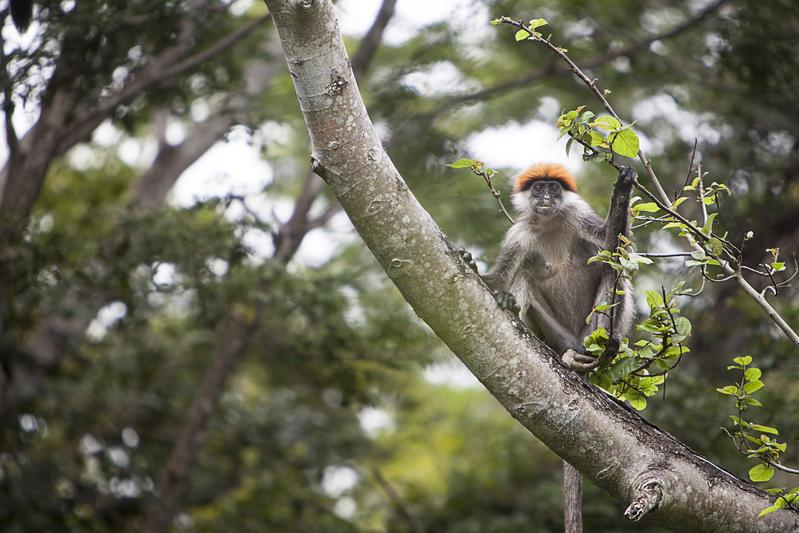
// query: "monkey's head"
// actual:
[[544, 190]]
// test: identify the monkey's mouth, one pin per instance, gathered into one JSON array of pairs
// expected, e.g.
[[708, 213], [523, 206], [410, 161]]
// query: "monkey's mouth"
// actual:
[[545, 209]]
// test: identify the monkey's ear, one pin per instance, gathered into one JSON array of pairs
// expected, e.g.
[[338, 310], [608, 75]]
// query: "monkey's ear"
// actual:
[[21, 14]]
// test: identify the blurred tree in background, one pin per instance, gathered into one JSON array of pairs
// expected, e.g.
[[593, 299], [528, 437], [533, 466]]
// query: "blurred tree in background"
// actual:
[[195, 352]]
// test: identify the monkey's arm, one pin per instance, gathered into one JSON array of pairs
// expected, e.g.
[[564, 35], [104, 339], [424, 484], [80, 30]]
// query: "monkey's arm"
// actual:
[[507, 264], [617, 319], [618, 221], [500, 279]]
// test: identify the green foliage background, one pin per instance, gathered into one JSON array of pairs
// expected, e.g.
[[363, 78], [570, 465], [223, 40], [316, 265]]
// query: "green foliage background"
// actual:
[[335, 341]]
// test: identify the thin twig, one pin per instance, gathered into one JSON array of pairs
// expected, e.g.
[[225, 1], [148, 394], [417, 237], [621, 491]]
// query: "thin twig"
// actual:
[[494, 192], [664, 254], [690, 169]]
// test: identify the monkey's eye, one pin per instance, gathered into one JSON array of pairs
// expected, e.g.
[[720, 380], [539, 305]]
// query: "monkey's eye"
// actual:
[[551, 187]]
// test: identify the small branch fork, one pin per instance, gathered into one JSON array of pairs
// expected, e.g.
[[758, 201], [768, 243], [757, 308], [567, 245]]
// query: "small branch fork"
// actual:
[[731, 266], [487, 174]]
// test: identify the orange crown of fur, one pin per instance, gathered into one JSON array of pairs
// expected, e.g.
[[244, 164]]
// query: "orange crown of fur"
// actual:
[[545, 171]]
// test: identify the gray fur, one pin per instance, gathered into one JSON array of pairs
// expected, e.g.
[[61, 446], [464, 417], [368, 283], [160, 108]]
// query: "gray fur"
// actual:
[[543, 264]]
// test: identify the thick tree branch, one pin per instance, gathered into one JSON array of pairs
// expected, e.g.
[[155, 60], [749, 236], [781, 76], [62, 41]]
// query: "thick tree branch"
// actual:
[[161, 69], [289, 236], [370, 42], [608, 443], [53, 134], [152, 187]]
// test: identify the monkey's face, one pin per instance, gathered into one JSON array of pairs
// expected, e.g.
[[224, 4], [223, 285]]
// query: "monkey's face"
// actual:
[[546, 198]]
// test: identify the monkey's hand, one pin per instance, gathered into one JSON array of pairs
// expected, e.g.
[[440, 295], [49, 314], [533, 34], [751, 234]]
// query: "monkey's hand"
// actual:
[[580, 362], [627, 177], [506, 301], [468, 259]]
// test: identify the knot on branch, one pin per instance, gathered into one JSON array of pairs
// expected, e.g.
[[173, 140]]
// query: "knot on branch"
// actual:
[[399, 266], [336, 85], [306, 4], [647, 498]]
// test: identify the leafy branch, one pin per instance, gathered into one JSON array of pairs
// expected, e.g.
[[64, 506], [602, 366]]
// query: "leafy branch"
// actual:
[[709, 247], [757, 441], [639, 368]]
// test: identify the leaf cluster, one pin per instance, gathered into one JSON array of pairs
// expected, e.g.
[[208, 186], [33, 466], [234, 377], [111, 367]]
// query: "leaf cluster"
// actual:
[[753, 440]]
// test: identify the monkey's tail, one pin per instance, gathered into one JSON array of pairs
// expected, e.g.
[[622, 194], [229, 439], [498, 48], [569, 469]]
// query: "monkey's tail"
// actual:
[[572, 499]]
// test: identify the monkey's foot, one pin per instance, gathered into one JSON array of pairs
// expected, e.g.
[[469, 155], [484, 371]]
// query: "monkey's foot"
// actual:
[[627, 176], [468, 259], [506, 301], [579, 362]]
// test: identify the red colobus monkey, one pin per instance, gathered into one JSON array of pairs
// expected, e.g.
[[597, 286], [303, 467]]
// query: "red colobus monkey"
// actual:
[[542, 265]]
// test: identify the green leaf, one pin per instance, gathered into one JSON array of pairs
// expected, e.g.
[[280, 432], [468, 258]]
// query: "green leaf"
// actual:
[[625, 143], [765, 429], [641, 259], [495, 22], [465, 163], [639, 404], [649, 207], [537, 23], [743, 360], [654, 299], [707, 229], [753, 374], [678, 201], [730, 390], [754, 402], [674, 225], [621, 368], [522, 35], [607, 122], [683, 326], [569, 146], [586, 116], [715, 245], [753, 386], [778, 266], [628, 264], [770, 509], [761, 472], [595, 138]]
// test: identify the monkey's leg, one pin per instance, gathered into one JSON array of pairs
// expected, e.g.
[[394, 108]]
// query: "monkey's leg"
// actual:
[[580, 362]]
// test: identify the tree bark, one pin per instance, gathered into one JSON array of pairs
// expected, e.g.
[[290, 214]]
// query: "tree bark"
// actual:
[[614, 447]]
